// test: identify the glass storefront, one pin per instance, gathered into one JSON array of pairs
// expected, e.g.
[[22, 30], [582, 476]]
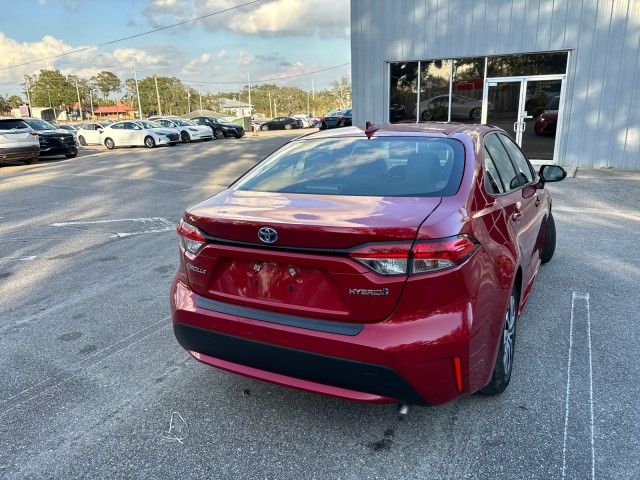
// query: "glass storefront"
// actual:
[[403, 94], [522, 93]]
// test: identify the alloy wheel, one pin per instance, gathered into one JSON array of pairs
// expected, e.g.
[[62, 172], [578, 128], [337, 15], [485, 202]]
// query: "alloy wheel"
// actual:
[[508, 337]]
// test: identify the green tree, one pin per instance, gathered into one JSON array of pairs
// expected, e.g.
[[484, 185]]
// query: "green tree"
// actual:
[[51, 88], [106, 82], [15, 101], [4, 105], [341, 90]]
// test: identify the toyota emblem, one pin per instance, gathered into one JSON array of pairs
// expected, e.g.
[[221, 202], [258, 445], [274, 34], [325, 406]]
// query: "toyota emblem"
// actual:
[[267, 235]]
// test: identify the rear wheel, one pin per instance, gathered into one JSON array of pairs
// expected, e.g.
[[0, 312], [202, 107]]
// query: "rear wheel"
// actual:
[[287, 126], [475, 114], [184, 136], [71, 155], [219, 134], [504, 361], [109, 143], [549, 241], [32, 160], [149, 142], [264, 128], [82, 141], [426, 115]]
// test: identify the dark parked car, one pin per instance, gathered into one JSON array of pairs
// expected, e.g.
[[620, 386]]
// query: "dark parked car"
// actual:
[[389, 269], [220, 128], [547, 122], [53, 141], [282, 123], [337, 119]]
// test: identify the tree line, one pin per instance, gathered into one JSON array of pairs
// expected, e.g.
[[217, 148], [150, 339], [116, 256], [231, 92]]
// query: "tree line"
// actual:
[[51, 88]]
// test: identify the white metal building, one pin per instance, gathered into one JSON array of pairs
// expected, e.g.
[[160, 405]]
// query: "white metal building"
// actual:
[[561, 76]]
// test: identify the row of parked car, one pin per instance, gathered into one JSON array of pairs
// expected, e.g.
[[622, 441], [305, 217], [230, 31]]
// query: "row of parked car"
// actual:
[[26, 139]]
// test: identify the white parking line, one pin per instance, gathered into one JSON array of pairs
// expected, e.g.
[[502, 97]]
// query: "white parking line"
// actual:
[[110, 220], [577, 297]]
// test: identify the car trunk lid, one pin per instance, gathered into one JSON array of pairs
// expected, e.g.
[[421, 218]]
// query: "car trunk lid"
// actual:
[[306, 271]]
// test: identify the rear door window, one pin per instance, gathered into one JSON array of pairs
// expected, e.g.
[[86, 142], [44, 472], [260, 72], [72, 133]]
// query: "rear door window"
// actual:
[[523, 167], [382, 166], [502, 162], [493, 182]]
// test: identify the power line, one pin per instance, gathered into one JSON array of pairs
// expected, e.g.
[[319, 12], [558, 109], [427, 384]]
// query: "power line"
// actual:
[[98, 45], [268, 79]]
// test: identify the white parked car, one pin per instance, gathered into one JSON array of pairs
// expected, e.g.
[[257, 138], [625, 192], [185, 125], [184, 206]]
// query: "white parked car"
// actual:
[[306, 119], [89, 133], [131, 133], [189, 131], [462, 107], [18, 141]]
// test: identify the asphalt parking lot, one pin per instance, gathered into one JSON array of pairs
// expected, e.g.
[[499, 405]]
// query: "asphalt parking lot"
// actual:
[[94, 384]]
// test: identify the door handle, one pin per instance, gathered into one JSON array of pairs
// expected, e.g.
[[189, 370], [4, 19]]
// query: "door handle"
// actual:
[[515, 126], [516, 216]]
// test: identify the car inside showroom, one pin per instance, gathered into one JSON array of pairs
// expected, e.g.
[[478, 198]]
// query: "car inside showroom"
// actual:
[[562, 79]]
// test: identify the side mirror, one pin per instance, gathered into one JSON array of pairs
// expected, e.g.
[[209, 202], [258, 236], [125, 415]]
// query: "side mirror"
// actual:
[[551, 173]]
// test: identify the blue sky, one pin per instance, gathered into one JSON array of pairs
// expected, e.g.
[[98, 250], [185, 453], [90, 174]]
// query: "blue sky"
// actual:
[[272, 38]]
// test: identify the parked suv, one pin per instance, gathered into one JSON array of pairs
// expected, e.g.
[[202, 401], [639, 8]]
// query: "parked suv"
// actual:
[[18, 141], [53, 141]]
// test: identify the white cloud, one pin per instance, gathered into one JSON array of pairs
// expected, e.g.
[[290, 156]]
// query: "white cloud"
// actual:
[[244, 58], [195, 65], [323, 18]]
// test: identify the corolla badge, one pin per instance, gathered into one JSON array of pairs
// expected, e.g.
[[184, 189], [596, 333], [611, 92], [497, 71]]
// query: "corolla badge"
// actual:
[[267, 235]]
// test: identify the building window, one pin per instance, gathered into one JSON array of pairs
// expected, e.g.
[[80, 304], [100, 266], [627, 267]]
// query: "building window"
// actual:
[[434, 90], [403, 94], [467, 87], [527, 64]]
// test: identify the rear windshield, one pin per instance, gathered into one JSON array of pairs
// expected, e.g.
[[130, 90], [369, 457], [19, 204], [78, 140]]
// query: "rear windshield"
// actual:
[[384, 167], [10, 124]]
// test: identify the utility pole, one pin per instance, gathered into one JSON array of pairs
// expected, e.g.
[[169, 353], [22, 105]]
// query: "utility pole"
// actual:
[[270, 108], [249, 83], [155, 78], [275, 108], [308, 112], [135, 77], [79, 104], [313, 97], [26, 81], [49, 94], [200, 95], [188, 101], [91, 101]]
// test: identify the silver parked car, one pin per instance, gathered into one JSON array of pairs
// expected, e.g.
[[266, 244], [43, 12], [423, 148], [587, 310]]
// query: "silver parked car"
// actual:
[[18, 141]]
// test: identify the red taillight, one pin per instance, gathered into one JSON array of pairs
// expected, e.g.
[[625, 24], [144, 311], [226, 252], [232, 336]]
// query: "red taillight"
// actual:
[[435, 255], [192, 238], [384, 258], [35, 134], [425, 256]]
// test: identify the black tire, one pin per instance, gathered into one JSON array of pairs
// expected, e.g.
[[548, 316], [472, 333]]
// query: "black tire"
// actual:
[[149, 142], [549, 241], [475, 114], [426, 115], [184, 136], [264, 128], [71, 155], [218, 134], [82, 141], [172, 144], [109, 143], [504, 360], [288, 126], [238, 135], [32, 160]]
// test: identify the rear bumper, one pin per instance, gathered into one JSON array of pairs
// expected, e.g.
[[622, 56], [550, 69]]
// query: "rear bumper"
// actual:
[[19, 153], [409, 362]]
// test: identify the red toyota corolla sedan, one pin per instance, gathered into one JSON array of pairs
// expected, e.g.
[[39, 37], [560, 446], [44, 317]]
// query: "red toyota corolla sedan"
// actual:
[[382, 269]]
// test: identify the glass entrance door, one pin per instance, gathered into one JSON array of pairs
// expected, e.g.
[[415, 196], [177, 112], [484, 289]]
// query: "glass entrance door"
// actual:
[[503, 106], [541, 105], [528, 109]]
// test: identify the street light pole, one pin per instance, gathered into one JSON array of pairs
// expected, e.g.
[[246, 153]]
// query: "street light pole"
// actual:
[[313, 97], [155, 79], [249, 83], [79, 104], [135, 76]]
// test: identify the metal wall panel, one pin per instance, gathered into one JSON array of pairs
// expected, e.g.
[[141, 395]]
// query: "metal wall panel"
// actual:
[[601, 124]]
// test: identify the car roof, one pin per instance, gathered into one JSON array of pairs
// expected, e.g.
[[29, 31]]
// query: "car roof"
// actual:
[[409, 129]]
